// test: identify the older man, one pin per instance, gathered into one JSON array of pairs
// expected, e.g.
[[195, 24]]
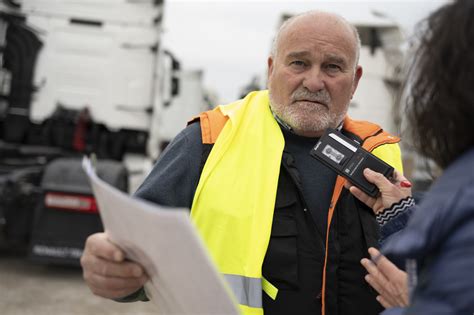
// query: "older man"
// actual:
[[279, 225]]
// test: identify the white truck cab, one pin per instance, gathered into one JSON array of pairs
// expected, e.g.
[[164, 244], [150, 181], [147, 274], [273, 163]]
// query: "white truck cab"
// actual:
[[80, 77]]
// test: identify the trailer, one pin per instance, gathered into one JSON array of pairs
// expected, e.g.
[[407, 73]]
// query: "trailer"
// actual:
[[80, 77]]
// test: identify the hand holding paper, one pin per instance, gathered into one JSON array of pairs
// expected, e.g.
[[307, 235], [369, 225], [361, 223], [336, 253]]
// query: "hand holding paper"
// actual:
[[183, 279]]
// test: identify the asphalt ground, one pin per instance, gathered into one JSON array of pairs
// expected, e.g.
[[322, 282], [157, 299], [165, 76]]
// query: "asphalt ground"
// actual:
[[27, 288]]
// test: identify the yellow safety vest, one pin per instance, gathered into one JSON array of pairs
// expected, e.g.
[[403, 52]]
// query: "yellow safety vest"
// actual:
[[234, 202]]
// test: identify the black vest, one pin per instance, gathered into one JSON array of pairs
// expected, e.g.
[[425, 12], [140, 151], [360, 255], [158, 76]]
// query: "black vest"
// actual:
[[294, 260]]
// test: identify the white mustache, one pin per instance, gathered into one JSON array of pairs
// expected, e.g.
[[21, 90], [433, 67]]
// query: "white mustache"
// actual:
[[321, 96]]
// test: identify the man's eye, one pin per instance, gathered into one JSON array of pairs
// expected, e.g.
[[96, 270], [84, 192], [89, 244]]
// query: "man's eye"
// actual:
[[333, 67], [298, 63]]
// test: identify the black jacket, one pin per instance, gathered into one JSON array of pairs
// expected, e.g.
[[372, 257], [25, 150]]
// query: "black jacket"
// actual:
[[295, 257]]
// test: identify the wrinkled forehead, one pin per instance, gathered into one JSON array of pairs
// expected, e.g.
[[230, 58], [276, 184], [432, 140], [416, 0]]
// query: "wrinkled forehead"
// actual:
[[316, 29]]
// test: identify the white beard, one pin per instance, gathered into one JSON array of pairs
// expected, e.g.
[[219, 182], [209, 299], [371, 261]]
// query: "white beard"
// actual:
[[306, 116]]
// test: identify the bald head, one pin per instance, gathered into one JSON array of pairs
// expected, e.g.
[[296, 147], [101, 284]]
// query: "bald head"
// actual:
[[318, 20]]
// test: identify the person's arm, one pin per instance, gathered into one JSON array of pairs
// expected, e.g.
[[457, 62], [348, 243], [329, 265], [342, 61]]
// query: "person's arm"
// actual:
[[445, 278], [445, 273], [395, 218], [174, 178], [393, 205], [172, 182]]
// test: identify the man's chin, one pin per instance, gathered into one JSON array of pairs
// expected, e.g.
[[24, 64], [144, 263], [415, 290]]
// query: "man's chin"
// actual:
[[312, 126]]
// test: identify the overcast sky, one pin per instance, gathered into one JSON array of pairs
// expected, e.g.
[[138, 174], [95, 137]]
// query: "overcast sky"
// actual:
[[230, 40]]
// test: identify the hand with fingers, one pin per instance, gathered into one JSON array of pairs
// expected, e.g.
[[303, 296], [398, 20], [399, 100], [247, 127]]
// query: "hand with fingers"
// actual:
[[390, 282], [106, 271], [391, 191]]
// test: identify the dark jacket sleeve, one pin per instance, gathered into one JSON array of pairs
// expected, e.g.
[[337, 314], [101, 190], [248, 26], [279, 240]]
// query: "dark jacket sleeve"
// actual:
[[446, 281], [395, 225], [174, 178], [439, 236]]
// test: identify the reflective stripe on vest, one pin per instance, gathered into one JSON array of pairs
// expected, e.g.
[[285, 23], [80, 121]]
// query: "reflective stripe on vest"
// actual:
[[247, 291]]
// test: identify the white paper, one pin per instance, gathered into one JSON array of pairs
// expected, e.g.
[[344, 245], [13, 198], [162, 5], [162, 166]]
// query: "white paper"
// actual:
[[183, 280]]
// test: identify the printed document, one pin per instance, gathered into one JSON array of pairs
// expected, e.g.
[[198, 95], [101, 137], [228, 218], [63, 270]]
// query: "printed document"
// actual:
[[183, 279]]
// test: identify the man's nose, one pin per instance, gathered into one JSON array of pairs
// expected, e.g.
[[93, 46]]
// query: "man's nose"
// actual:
[[314, 80]]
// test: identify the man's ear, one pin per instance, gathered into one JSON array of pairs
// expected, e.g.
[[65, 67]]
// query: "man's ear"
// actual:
[[357, 76], [270, 67]]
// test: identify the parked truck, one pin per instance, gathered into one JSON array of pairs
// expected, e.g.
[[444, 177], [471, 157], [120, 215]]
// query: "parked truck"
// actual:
[[80, 77]]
